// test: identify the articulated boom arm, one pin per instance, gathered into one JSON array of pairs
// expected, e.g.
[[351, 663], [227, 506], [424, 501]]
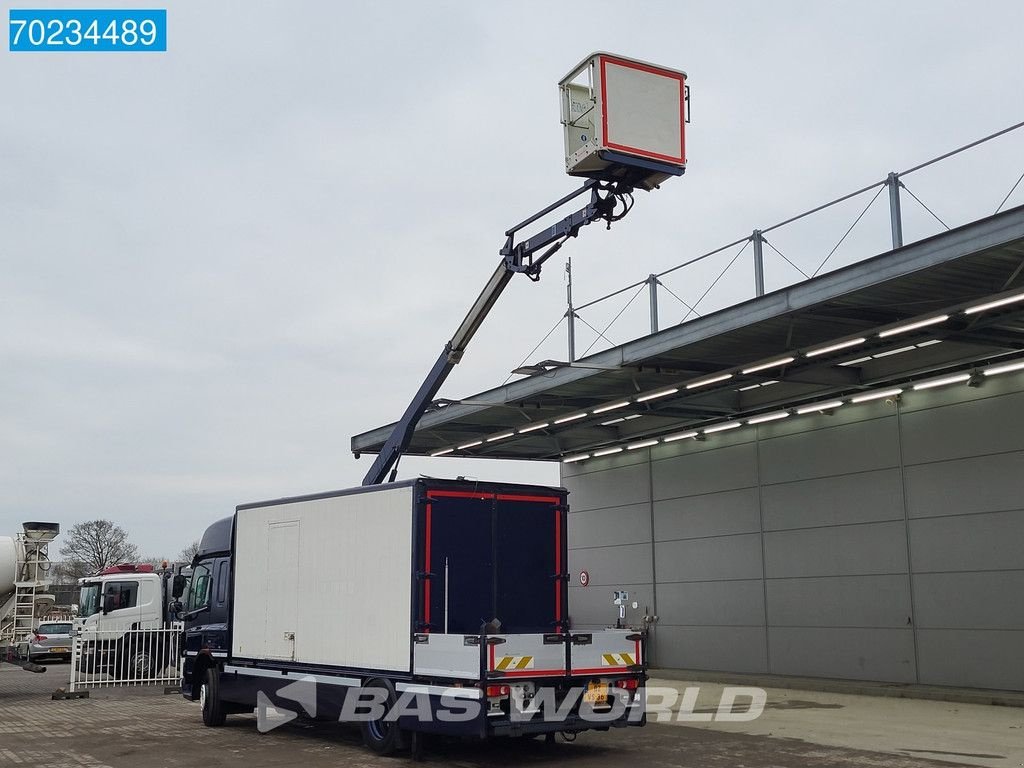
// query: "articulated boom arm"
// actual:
[[515, 258]]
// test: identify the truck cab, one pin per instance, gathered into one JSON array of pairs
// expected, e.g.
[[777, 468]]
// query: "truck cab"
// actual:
[[206, 606], [121, 612], [122, 597]]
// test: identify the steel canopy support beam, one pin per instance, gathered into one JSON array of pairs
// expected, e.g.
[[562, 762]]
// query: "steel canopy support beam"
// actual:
[[895, 215]]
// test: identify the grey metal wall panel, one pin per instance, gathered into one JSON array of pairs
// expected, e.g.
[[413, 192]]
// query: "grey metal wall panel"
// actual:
[[971, 658], [990, 600], [846, 550], [614, 565], [859, 654], [722, 557], [977, 484], [599, 527], [733, 649], [713, 603], [843, 601], [859, 498], [712, 514], [856, 447], [831, 501], [616, 487], [591, 607], [705, 472], [981, 542], [978, 426]]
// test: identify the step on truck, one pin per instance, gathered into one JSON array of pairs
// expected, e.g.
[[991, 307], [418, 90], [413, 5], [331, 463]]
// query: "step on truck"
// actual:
[[424, 606]]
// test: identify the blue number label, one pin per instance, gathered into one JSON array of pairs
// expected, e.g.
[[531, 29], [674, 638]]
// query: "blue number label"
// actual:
[[87, 30]]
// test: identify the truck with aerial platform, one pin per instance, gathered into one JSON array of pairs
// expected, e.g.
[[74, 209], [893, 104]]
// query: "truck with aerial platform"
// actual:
[[438, 606]]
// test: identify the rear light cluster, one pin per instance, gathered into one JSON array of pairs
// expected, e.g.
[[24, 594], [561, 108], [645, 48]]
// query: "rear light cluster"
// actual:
[[40, 637], [498, 690], [630, 685]]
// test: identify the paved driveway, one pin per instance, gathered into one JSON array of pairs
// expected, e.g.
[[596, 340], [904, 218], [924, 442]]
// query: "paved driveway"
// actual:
[[124, 730]]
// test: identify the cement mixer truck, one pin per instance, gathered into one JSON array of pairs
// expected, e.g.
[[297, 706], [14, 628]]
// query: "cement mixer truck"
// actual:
[[24, 581]]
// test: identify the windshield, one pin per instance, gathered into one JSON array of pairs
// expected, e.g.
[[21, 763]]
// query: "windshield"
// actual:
[[89, 602], [199, 589], [54, 629]]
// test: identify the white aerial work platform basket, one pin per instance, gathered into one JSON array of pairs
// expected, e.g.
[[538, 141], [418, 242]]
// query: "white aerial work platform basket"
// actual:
[[624, 120]]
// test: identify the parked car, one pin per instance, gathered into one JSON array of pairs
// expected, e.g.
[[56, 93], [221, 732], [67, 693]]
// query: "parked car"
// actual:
[[51, 640]]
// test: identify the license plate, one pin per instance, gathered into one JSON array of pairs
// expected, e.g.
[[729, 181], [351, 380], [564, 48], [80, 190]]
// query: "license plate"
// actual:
[[60, 650], [596, 693]]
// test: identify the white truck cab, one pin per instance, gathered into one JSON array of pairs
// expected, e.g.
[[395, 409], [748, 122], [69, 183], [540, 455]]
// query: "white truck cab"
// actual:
[[123, 597]]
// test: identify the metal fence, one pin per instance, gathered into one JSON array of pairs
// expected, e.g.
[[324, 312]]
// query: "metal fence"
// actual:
[[117, 657], [805, 245]]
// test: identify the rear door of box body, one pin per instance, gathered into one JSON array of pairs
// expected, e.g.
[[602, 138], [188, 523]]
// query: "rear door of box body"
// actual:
[[487, 557]]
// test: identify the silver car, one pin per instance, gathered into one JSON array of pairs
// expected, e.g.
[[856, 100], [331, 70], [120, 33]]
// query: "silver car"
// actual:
[[50, 640]]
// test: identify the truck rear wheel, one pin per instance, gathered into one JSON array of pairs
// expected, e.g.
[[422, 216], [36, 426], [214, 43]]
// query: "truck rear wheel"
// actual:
[[381, 735], [214, 714]]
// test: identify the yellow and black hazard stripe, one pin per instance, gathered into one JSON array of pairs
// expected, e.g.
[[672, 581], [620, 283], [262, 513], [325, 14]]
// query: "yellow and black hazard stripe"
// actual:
[[514, 663], [617, 660]]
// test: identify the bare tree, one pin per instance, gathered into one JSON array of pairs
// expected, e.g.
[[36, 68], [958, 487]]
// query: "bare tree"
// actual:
[[91, 546], [189, 552]]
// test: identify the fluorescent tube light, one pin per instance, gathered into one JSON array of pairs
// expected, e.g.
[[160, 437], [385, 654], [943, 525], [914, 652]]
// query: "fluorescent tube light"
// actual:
[[644, 444], [613, 421], [661, 393], [858, 361], [496, 438], [899, 351], [533, 427], [723, 427], [442, 453], [956, 379], [607, 452], [768, 417], [712, 380], [577, 457], [631, 417], [773, 364], [575, 416], [835, 347], [471, 445], [1004, 368], [680, 436], [993, 304], [612, 407], [827, 406], [914, 326], [875, 395]]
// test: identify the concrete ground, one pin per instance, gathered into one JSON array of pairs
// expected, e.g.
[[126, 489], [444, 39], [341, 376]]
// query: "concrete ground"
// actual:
[[120, 729], [972, 734]]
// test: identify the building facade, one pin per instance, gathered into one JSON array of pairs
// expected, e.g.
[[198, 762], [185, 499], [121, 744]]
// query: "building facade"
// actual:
[[880, 541]]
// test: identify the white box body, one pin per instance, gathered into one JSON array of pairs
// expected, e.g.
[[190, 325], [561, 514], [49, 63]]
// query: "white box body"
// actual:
[[326, 581]]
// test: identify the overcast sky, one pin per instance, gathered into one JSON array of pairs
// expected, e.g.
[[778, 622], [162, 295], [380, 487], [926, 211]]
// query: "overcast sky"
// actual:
[[220, 262]]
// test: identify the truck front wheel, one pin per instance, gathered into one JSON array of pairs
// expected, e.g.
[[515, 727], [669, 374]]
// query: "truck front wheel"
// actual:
[[383, 736], [209, 699]]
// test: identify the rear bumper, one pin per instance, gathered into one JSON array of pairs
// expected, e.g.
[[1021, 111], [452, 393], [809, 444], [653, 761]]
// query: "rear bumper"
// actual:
[[39, 651], [574, 723]]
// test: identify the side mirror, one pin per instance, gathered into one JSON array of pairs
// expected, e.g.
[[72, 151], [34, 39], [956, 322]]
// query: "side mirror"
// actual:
[[178, 586]]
